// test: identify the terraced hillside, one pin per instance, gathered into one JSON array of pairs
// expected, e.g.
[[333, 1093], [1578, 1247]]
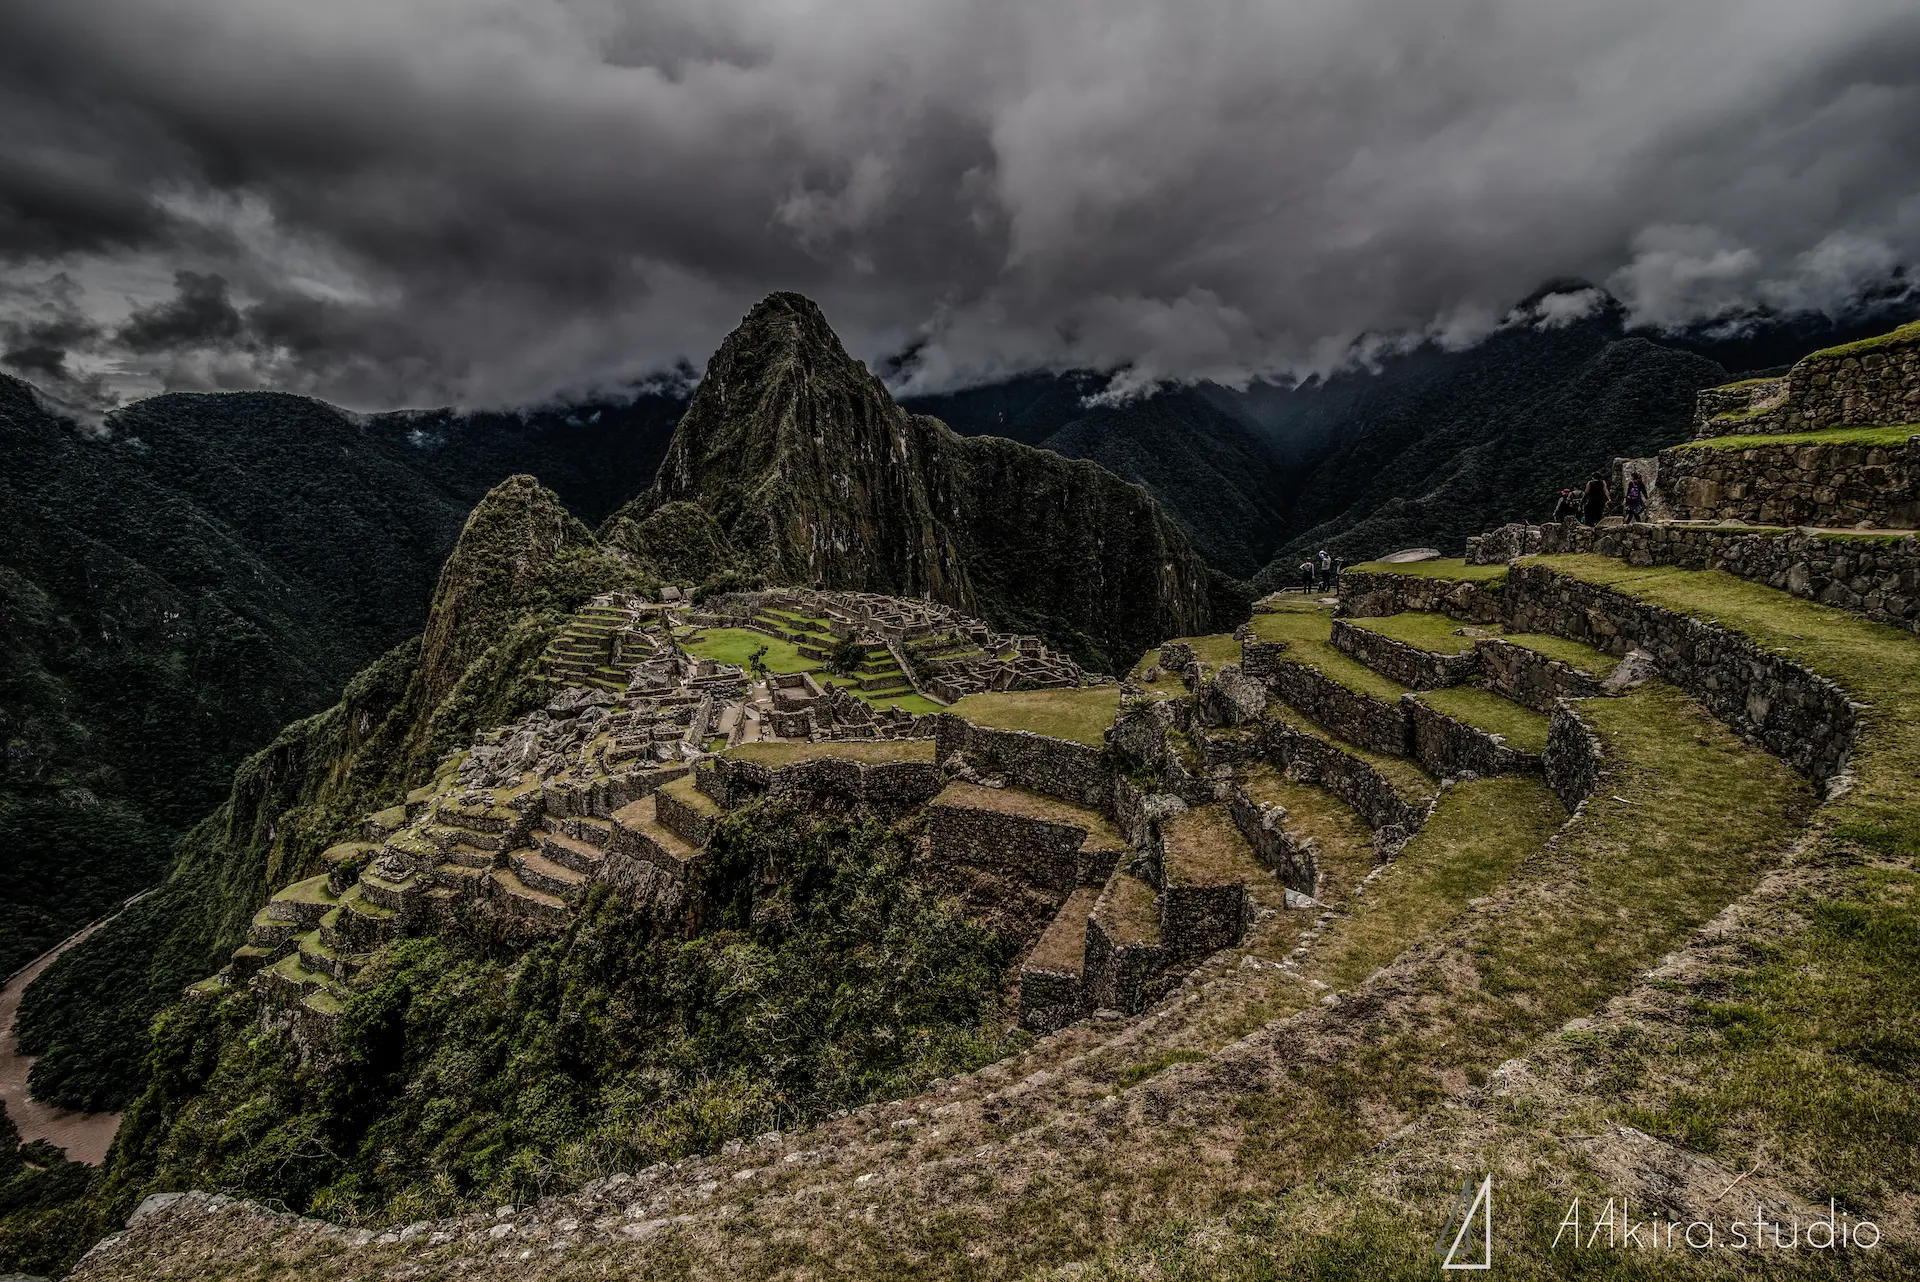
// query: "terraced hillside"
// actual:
[[1592, 877]]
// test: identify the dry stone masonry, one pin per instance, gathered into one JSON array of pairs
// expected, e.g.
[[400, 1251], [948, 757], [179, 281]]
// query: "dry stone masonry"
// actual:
[[1870, 384]]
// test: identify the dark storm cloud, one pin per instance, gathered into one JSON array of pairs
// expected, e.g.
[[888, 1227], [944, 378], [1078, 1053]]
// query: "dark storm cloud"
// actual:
[[413, 201], [199, 315]]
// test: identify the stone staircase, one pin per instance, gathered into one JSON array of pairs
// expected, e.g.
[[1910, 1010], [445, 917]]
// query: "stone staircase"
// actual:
[[587, 651]]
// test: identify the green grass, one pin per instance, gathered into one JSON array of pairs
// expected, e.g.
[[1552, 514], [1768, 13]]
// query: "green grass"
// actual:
[[1581, 658], [1524, 729], [736, 645], [1908, 333], [311, 891], [1743, 382], [1446, 567], [1827, 436], [1077, 715], [1435, 633], [1307, 634]]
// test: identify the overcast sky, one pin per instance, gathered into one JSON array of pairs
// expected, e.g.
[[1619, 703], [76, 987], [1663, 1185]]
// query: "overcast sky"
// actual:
[[491, 202]]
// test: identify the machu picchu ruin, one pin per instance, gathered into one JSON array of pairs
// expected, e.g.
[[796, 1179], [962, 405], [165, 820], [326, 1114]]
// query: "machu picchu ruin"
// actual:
[[1555, 862]]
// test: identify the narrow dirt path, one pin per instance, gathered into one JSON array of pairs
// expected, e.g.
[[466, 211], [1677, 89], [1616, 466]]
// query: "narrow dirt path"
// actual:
[[85, 1136]]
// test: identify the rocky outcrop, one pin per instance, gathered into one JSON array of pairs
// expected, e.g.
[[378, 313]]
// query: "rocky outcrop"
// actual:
[[813, 473]]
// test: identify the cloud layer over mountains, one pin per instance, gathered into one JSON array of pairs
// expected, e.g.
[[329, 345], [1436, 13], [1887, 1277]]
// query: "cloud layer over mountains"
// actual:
[[490, 201]]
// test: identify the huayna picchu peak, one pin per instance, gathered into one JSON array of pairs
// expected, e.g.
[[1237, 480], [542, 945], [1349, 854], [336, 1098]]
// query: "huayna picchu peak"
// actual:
[[816, 477], [875, 852]]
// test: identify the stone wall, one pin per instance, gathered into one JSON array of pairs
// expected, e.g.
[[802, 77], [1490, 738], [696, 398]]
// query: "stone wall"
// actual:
[[1875, 577], [1313, 760], [1041, 853], [1380, 727], [1530, 678], [1050, 1000], [1121, 977], [890, 787], [1058, 767], [1373, 593], [1411, 666], [1836, 485], [1574, 759], [1878, 387], [1294, 860], [1449, 748], [1799, 716]]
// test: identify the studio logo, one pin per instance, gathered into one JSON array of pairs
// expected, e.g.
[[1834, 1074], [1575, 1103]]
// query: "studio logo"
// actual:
[[1466, 1239]]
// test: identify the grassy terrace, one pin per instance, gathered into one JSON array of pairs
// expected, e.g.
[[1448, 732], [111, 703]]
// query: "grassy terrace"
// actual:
[[1828, 436], [1791, 1058], [1078, 715], [1167, 684], [1581, 658], [1306, 634], [1405, 774], [1446, 567], [1435, 633], [1524, 729], [737, 645], [1345, 841]]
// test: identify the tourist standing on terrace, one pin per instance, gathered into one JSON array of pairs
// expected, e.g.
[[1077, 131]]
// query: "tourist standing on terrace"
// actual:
[[1596, 500]]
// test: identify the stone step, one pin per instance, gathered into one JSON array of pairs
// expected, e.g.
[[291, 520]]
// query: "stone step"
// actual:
[[460, 877], [289, 981], [471, 855], [446, 837], [392, 895], [474, 816], [591, 829], [1050, 842], [524, 901], [317, 956], [544, 874], [269, 932], [687, 812], [583, 857], [1206, 868], [1053, 991], [380, 825], [638, 832], [1124, 958]]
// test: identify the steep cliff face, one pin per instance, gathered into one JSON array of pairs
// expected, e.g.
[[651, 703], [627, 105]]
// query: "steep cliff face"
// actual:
[[806, 462], [817, 477]]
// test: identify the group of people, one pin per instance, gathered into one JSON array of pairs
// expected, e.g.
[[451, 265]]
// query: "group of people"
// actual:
[[1587, 504], [1322, 572]]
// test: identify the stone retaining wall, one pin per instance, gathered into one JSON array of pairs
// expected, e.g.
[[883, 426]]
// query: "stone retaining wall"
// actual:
[[1879, 387], [1295, 861], [1411, 666], [1530, 678], [1449, 748], [1042, 853], [1574, 759], [890, 787], [1876, 578], [1377, 726], [1119, 977], [1313, 760], [1058, 767], [1050, 1000], [1799, 716], [1805, 484], [1373, 593]]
